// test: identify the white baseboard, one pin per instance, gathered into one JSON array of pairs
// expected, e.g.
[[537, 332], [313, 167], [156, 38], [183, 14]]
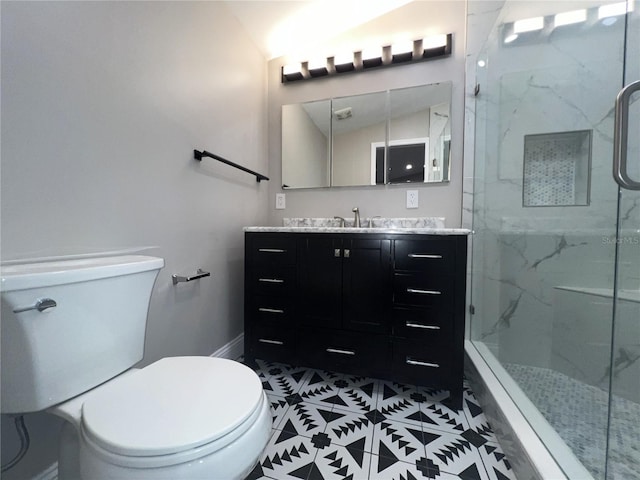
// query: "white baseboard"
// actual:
[[232, 350]]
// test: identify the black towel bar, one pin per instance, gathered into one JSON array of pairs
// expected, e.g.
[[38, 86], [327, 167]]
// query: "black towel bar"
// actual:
[[199, 154]]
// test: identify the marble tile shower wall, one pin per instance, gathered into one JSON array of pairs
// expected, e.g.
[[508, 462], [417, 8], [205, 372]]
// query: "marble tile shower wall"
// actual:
[[522, 253], [518, 288], [582, 318]]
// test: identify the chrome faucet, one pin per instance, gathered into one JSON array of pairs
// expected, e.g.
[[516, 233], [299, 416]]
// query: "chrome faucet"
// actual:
[[342, 221], [371, 220], [356, 219]]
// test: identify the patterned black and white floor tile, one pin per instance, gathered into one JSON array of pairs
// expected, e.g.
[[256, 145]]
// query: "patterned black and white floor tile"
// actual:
[[353, 429], [328, 425], [305, 418], [399, 440], [358, 394], [321, 387], [338, 462]]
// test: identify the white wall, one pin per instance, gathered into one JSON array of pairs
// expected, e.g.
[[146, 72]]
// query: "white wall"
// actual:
[[102, 106], [436, 199], [306, 142], [352, 154]]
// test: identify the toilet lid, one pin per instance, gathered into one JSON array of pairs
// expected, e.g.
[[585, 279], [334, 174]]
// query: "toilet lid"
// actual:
[[172, 405]]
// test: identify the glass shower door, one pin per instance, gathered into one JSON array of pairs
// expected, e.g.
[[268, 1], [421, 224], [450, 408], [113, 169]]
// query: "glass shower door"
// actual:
[[554, 234], [623, 453]]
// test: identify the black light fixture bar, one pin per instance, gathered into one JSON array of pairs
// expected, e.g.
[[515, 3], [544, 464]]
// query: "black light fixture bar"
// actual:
[[360, 65], [199, 154]]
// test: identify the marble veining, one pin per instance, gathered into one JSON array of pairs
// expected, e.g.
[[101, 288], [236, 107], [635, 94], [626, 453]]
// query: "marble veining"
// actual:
[[418, 230], [420, 225], [562, 245], [539, 273], [377, 222]]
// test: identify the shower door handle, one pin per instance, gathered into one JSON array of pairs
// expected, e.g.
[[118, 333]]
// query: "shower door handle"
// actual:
[[620, 137]]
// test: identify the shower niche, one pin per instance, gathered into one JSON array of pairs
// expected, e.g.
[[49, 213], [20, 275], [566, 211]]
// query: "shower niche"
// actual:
[[557, 169]]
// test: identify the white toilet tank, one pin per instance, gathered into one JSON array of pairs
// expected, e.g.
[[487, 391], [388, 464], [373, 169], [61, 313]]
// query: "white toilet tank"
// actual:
[[94, 331]]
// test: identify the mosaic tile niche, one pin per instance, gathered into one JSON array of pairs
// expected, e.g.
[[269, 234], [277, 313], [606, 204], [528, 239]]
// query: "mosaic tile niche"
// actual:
[[556, 169]]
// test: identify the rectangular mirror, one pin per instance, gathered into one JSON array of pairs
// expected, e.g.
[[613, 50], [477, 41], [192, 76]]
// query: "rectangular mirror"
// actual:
[[306, 144], [419, 129], [358, 122], [390, 137]]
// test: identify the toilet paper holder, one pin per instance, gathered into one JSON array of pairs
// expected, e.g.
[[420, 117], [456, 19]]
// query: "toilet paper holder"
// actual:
[[199, 274]]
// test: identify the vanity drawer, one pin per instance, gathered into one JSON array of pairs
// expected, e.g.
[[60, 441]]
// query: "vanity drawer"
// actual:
[[420, 362], [270, 341], [430, 322], [344, 351], [273, 249], [273, 280], [434, 255], [271, 309], [425, 290]]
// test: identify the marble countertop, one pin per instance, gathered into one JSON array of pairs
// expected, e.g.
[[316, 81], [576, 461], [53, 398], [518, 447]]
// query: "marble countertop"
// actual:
[[402, 230]]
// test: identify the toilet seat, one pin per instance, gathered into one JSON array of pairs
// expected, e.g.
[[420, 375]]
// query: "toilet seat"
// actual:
[[176, 405]]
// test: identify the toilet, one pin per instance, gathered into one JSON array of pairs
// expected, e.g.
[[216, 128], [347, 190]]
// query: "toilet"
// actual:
[[72, 330]]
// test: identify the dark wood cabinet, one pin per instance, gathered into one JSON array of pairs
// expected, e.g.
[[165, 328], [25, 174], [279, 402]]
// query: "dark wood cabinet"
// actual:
[[383, 305], [344, 282]]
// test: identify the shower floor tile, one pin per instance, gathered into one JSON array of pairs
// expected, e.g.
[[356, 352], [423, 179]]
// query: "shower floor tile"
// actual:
[[578, 412], [327, 425]]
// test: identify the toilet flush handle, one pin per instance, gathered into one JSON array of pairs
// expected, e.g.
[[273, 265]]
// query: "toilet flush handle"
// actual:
[[41, 305]]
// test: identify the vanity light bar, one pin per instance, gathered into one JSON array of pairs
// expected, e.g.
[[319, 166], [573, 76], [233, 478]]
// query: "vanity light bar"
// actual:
[[614, 9], [531, 28], [402, 51], [343, 62], [429, 48], [371, 57], [317, 67], [292, 72], [569, 18], [528, 25]]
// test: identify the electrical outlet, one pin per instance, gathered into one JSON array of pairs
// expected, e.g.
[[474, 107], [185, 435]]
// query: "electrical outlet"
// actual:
[[281, 201], [412, 198]]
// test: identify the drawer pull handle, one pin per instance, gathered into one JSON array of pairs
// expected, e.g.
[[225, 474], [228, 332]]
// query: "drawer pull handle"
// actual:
[[272, 250], [424, 255], [341, 352], [271, 342], [271, 280], [421, 364], [423, 292], [270, 310], [427, 327]]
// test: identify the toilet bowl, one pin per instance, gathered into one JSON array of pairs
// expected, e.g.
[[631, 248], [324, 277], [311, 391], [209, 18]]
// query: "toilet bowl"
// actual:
[[180, 417], [71, 333]]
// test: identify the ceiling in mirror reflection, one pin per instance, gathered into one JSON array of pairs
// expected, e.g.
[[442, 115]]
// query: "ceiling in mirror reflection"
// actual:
[[366, 139]]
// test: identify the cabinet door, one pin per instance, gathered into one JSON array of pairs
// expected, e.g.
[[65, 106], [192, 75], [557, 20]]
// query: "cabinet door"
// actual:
[[320, 280], [366, 280]]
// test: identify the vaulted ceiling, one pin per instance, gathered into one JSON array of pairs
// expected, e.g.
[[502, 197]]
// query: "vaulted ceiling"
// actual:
[[282, 27]]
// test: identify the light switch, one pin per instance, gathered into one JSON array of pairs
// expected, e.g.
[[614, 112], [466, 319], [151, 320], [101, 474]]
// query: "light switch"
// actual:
[[281, 201]]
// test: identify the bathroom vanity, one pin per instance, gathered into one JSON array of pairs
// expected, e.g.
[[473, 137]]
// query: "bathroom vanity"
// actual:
[[386, 303]]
